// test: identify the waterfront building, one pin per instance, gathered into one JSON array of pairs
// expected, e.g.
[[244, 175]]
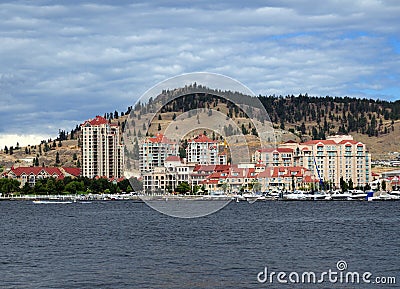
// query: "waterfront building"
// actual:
[[154, 151], [203, 151], [168, 177], [334, 158], [279, 156], [102, 152], [286, 179], [31, 175]]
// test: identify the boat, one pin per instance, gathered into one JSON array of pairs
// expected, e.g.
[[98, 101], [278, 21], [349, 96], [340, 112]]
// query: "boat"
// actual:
[[274, 194], [296, 195], [238, 198], [339, 196], [262, 198], [384, 197], [395, 193], [317, 196], [251, 197], [51, 202], [357, 195]]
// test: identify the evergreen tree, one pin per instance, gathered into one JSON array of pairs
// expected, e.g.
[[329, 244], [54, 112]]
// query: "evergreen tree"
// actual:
[[57, 158]]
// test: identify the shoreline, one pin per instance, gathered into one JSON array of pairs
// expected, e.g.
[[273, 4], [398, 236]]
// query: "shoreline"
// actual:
[[165, 198]]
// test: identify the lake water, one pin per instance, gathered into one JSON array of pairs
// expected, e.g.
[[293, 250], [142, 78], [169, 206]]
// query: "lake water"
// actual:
[[124, 244]]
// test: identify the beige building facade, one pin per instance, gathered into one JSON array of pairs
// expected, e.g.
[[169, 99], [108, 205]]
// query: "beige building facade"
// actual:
[[102, 152]]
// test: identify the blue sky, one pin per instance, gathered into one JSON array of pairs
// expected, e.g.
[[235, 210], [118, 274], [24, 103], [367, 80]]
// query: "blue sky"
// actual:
[[62, 62]]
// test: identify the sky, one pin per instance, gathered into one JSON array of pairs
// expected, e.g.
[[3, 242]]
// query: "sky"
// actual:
[[62, 62]]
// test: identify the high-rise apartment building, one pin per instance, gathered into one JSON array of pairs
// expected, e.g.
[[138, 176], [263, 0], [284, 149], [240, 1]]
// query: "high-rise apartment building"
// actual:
[[202, 150], [154, 150], [102, 152]]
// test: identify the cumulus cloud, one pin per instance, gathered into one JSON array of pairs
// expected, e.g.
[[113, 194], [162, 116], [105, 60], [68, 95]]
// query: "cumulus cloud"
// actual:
[[63, 63]]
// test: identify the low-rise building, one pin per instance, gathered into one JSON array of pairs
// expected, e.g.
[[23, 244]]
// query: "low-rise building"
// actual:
[[329, 160], [31, 174]]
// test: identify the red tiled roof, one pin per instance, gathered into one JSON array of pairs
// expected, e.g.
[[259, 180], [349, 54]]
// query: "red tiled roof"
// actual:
[[285, 150], [266, 150], [267, 173], [159, 138], [216, 175], [211, 168], [278, 150], [173, 159], [73, 171], [348, 141], [203, 139], [98, 120], [36, 170], [309, 179], [323, 142]]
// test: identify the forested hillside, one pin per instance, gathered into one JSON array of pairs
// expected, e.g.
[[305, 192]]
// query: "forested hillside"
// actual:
[[374, 122]]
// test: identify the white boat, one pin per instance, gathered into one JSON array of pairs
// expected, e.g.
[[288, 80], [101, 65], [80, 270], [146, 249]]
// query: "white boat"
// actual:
[[51, 202], [316, 196], [251, 197], [262, 198], [358, 195], [238, 198], [336, 196], [296, 195], [274, 194], [395, 193], [385, 197]]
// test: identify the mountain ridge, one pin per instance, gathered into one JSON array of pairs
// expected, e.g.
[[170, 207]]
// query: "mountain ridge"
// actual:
[[302, 117]]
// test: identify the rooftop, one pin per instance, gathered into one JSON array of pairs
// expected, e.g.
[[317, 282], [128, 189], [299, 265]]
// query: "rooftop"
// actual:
[[203, 139], [98, 120]]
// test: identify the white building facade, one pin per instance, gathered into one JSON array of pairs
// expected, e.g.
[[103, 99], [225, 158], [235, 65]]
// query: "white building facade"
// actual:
[[154, 151], [202, 150], [102, 152]]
